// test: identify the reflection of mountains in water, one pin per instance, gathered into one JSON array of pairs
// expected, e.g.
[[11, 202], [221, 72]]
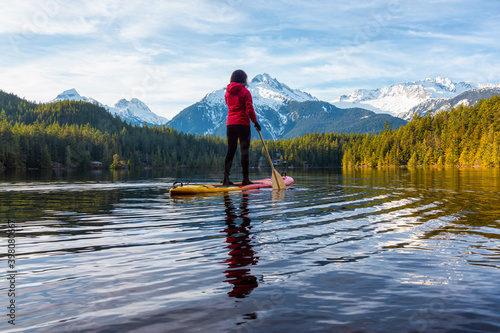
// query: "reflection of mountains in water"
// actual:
[[240, 248]]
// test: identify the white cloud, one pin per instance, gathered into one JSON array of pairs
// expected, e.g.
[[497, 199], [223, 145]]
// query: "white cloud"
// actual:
[[49, 17], [460, 38]]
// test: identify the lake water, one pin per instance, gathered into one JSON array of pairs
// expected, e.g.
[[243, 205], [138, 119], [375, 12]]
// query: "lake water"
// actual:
[[341, 251]]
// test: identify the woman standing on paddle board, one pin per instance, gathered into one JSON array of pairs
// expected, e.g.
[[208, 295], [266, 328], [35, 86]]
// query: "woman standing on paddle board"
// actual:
[[241, 112]]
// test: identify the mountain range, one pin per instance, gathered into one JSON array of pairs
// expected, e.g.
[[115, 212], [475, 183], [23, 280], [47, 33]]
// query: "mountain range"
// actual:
[[133, 111], [282, 112], [285, 113], [403, 100], [208, 116], [466, 98]]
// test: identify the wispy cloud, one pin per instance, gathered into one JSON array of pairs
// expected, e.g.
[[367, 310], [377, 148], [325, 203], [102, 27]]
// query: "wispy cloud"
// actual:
[[473, 40]]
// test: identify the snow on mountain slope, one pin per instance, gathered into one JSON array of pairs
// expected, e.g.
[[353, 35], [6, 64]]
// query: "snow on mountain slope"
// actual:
[[467, 98], [73, 95], [266, 91], [133, 111], [399, 98], [282, 113], [268, 94], [136, 110]]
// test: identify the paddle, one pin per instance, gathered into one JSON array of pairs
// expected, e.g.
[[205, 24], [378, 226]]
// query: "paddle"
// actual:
[[277, 180]]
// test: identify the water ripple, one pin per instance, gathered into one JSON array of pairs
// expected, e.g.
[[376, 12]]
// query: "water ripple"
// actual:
[[342, 255]]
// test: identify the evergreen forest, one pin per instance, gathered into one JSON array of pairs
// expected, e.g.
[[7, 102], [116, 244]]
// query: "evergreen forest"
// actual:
[[467, 136], [74, 134]]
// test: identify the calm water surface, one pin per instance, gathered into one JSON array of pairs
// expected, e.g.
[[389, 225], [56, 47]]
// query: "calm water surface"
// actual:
[[342, 251]]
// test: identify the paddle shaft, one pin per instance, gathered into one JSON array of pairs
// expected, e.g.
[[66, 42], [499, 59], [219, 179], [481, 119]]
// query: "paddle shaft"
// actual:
[[278, 182], [265, 148]]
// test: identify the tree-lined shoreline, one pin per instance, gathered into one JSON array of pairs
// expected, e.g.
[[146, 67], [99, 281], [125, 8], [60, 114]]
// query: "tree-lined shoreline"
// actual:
[[72, 134]]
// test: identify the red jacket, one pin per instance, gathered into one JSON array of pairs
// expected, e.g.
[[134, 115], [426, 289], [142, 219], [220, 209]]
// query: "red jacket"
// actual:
[[240, 104]]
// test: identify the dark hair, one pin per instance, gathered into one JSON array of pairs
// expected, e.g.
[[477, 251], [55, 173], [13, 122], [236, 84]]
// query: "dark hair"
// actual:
[[239, 76]]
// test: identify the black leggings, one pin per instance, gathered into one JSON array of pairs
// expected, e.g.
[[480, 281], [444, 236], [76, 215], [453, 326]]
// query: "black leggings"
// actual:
[[243, 133]]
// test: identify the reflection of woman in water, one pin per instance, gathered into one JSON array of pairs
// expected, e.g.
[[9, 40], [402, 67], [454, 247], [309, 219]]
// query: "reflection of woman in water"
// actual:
[[241, 252]]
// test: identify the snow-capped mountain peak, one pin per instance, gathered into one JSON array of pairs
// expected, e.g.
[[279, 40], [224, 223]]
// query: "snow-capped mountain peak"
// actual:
[[267, 79], [73, 95], [122, 103], [265, 89], [135, 111], [441, 86], [401, 97], [70, 94]]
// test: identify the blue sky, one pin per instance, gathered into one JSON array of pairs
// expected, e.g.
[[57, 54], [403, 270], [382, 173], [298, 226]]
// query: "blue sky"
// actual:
[[169, 54]]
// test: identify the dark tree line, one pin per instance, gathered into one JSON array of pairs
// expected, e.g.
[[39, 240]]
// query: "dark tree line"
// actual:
[[72, 134], [464, 136]]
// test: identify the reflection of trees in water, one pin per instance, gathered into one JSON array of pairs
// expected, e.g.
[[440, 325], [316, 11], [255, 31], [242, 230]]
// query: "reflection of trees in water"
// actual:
[[35, 205], [240, 248]]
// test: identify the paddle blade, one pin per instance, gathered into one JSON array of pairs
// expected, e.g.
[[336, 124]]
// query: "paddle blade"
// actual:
[[277, 181]]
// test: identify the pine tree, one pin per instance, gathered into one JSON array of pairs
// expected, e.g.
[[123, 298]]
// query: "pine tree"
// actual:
[[46, 161]]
